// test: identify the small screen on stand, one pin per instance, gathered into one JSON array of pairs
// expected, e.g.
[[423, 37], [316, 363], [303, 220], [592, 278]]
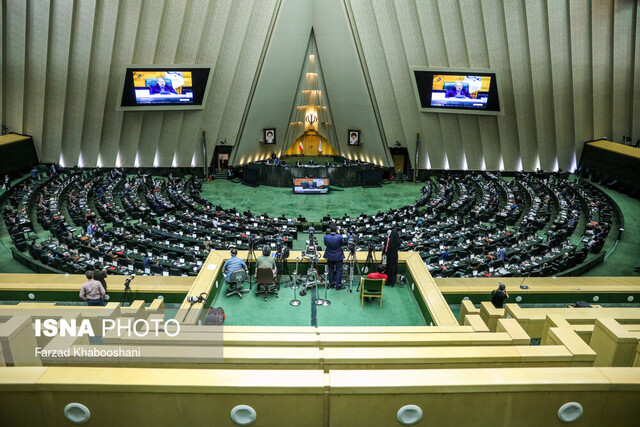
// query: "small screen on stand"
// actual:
[[310, 186]]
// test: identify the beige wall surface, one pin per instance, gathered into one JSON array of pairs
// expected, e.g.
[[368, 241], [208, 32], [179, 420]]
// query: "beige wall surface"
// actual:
[[568, 70], [64, 62]]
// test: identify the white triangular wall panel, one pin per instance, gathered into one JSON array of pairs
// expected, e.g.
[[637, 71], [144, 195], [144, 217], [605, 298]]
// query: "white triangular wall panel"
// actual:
[[346, 85], [344, 78], [278, 81]]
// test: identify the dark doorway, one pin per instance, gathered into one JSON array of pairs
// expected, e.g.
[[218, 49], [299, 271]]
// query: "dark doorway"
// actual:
[[400, 157], [221, 156]]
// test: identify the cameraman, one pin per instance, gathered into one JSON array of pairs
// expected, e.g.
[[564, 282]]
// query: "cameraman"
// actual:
[[334, 256], [266, 261], [233, 264]]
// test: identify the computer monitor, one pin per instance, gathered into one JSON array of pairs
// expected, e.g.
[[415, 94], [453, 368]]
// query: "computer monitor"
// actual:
[[457, 90]]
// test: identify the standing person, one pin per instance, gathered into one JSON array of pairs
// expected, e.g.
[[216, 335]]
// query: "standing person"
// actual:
[[499, 295], [100, 275], [391, 252], [7, 182], [92, 291], [334, 256], [146, 262]]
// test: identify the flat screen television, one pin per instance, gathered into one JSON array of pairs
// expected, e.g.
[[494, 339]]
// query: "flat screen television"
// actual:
[[457, 90], [310, 185], [165, 87]]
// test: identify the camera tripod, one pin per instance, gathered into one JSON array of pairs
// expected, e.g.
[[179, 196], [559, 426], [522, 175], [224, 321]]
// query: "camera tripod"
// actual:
[[352, 266], [370, 264], [282, 266], [128, 294], [251, 258], [310, 279]]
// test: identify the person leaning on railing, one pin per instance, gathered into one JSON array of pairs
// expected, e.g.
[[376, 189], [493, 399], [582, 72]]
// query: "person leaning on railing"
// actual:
[[92, 291]]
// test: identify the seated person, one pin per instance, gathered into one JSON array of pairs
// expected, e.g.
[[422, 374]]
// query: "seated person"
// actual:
[[161, 87], [379, 274], [298, 164], [266, 261], [458, 91], [146, 262], [233, 264]]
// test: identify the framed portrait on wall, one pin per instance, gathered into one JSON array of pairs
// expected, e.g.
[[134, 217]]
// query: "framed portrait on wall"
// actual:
[[269, 135], [353, 137]]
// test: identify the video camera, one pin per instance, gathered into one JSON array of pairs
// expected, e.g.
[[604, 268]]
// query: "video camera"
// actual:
[[282, 251], [311, 246], [128, 282], [352, 243]]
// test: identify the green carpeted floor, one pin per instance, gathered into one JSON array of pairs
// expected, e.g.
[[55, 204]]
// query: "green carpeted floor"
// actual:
[[280, 200], [399, 308]]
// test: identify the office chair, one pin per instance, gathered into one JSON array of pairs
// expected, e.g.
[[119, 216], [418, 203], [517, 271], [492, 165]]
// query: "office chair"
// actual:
[[371, 288], [236, 280], [266, 282]]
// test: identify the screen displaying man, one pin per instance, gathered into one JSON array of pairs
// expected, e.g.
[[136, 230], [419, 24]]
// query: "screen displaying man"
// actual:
[[161, 87], [458, 91]]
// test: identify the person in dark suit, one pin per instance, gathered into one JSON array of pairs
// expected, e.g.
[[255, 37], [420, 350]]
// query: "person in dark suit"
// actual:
[[100, 275], [334, 256], [162, 87], [391, 252], [458, 91]]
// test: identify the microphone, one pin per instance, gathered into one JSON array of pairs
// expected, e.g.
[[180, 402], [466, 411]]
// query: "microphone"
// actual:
[[521, 283]]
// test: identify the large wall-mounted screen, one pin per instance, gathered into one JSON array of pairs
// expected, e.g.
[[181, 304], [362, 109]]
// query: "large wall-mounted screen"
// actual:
[[463, 91], [164, 87], [310, 186]]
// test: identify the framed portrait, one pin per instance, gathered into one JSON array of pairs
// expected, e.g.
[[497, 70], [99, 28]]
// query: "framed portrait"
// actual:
[[353, 137], [269, 135]]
